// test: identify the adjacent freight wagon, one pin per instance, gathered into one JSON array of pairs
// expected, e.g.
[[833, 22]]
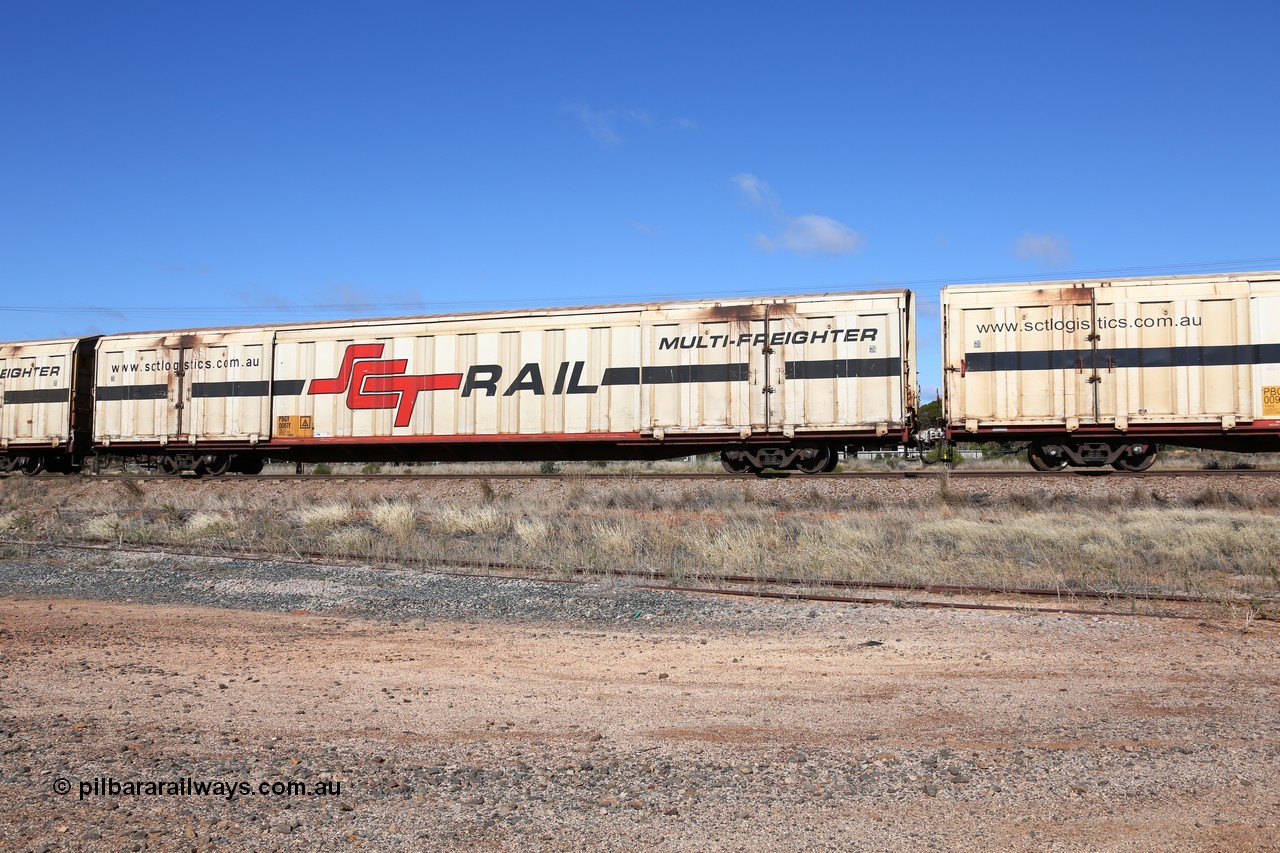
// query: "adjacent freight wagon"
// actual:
[[1101, 372], [46, 398], [778, 382]]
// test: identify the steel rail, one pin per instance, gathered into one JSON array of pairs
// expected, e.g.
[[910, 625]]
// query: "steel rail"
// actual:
[[587, 576], [925, 474]]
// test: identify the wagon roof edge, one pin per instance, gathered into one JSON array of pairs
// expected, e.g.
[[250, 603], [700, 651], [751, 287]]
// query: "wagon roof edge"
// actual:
[[550, 311]]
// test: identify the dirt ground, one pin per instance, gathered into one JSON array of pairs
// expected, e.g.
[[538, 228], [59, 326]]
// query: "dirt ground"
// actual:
[[843, 728]]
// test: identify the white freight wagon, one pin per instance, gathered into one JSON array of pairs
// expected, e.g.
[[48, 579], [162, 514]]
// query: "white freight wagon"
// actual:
[[188, 398], [782, 382], [44, 399], [1100, 372]]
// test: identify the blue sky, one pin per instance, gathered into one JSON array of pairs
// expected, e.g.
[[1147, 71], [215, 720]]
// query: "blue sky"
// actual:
[[179, 164]]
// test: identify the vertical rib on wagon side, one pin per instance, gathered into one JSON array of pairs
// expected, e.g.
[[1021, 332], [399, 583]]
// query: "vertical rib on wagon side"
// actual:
[[782, 374], [1099, 372]]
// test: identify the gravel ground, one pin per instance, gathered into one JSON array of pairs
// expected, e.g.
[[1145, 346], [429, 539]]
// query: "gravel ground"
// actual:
[[464, 712]]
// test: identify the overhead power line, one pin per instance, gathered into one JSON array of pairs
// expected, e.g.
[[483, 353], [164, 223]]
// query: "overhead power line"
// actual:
[[435, 305]]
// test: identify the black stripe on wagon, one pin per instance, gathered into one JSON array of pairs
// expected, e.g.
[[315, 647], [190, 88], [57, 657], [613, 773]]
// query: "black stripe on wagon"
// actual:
[[39, 395], [248, 388], [675, 374], [131, 392], [251, 388], [1083, 359], [620, 376], [844, 368]]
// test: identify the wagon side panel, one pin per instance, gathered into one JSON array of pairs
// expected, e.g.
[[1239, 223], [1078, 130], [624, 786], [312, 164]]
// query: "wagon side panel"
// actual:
[[1160, 357], [35, 393]]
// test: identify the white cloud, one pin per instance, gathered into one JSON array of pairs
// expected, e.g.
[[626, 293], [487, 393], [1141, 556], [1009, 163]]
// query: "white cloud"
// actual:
[[607, 126], [603, 125], [1048, 249], [756, 191], [599, 124], [809, 234], [812, 234], [637, 116]]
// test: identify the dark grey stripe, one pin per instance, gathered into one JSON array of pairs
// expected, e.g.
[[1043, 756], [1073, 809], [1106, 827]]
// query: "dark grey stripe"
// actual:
[[253, 388], [1084, 359], [621, 376], [675, 374], [39, 395], [844, 368], [248, 388], [131, 392]]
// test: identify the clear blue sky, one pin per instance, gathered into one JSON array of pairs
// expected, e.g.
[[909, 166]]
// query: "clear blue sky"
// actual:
[[180, 164]]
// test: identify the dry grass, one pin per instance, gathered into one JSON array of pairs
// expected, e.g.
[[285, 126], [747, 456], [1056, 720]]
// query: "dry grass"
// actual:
[[325, 516], [1213, 542], [396, 519]]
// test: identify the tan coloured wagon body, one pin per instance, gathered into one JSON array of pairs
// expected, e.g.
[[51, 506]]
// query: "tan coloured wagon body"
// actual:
[[192, 388], [35, 392], [659, 379], [1191, 359], [837, 367]]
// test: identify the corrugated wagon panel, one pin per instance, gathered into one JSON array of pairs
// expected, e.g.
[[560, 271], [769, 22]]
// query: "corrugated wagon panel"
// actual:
[[136, 391], [183, 387], [1264, 318], [1126, 354], [723, 368], [35, 392]]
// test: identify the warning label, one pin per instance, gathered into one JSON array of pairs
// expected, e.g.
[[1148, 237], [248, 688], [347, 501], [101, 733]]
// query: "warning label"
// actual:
[[1270, 401], [300, 426]]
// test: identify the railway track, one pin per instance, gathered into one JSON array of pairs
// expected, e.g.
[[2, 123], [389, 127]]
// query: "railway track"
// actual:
[[925, 473], [1015, 600]]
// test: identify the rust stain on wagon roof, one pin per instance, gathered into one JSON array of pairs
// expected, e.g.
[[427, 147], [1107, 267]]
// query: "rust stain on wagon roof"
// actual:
[[1076, 294], [187, 339], [743, 312]]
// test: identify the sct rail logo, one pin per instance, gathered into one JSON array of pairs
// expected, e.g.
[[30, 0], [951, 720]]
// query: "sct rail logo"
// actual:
[[372, 382]]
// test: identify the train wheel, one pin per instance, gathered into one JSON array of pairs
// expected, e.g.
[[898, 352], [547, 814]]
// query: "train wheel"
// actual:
[[7, 464], [1136, 463], [1042, 461], [822, 460], [168, 465], [214, 464], [736, 462], [30, 465]]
